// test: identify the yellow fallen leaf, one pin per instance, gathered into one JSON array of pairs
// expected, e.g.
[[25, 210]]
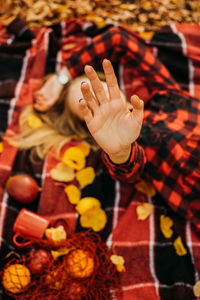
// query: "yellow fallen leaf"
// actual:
[[34, 121], [62, 173], [128, 6], [165, 225], [99, 21], [60, 252], [146, 35], [143, 211], [179, 247], [196, 289], [118, 261], [62, 7], [57, 234], [1, 147], [74, 158], [85, 176], [84, 147], [94, 218], [73, 193], [145, 187], [87, 203]]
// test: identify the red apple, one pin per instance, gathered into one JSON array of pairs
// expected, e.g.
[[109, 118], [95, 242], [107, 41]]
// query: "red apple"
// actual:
[[22, 188], [38, 261]]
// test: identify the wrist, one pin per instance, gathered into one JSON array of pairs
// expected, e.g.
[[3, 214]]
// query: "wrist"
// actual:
[[121, 157]]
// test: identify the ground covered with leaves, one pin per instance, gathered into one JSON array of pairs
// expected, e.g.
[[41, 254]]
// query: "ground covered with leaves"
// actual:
[[139, 15]]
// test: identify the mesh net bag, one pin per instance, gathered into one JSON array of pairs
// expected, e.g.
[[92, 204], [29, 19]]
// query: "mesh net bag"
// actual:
[[85, 271]]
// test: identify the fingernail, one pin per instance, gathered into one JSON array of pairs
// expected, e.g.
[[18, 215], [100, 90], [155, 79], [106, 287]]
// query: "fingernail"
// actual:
[[80, 100], [88, 67], [83, 82], [136, 97]]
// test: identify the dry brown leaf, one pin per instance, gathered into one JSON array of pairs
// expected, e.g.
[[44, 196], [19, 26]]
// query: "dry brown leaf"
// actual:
[[143, 18], [157, 13]]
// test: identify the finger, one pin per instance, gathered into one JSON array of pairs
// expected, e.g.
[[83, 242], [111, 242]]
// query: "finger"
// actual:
[[88, 96], [137, 102], [96, 84], [113, 87], [86, 112]]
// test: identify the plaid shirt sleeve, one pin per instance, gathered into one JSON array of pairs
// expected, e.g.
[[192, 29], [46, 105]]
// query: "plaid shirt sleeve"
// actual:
[[129, 171]]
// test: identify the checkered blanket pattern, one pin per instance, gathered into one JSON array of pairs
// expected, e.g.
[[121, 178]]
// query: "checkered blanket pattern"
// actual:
[[169, 66]]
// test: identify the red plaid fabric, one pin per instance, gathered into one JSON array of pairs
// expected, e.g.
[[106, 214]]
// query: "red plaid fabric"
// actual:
[[166, 153]]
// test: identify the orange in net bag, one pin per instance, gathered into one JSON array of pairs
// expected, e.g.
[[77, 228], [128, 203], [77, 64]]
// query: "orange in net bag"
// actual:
[[83, 271]]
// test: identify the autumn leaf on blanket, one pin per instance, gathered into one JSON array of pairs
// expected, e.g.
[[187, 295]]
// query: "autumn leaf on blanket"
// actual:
[[56, 235], [87, 203], [143, 211], [62, 173], [118, 261], [73, 193], [85, 176], [146, 35], [60, 252], [146, 188], [165, 225], [34, 121], [94, 218], [179, 247], [74, 158], [1, 147], [62, 7], [84, 147], [99, 21], [196, 289]]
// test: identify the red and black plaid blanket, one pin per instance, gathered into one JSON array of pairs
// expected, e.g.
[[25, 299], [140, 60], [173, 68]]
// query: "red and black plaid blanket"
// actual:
[[153, 268]]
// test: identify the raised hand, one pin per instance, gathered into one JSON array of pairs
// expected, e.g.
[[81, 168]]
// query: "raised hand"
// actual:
[[113, 122]]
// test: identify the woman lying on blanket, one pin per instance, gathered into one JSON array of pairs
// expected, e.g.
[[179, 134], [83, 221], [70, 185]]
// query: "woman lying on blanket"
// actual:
[[165, 151]]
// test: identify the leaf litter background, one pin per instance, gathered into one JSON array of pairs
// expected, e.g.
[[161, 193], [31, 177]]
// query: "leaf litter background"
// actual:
[[139, 15]]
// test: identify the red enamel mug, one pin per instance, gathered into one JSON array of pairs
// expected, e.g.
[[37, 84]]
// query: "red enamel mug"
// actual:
[[28, 225]]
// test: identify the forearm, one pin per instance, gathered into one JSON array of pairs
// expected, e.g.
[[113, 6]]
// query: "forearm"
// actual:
[[130, 170]]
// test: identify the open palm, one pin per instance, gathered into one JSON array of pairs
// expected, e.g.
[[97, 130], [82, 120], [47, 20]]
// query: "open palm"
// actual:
[[113, 122]]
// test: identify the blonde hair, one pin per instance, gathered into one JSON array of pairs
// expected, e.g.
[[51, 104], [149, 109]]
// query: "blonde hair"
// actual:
[[59, 126]]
